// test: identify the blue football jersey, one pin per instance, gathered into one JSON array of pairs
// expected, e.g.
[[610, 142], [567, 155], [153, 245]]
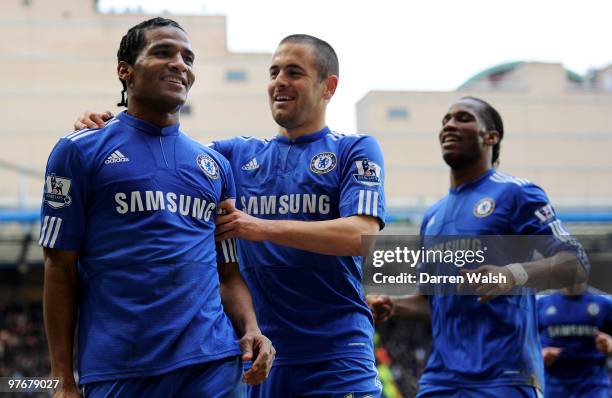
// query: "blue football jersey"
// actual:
[[310, 305], [496, 342], [571, 323], [138, 203]]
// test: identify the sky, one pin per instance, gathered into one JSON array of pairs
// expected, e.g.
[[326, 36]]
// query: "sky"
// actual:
[[425, 45]]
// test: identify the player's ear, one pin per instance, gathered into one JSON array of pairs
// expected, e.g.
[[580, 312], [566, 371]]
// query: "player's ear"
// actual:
[[331, 83], [491, 137], [124, 71]]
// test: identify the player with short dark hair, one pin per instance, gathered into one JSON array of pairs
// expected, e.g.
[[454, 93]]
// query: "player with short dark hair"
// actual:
[[486, 345], [325, 58], [305, 200], [493, 122], [129, 245], [575, 326], [305, 203]]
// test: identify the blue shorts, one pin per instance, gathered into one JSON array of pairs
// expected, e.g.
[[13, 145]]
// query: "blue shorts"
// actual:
[[336, 378], [431, 391], [576, 390], [216, 379]]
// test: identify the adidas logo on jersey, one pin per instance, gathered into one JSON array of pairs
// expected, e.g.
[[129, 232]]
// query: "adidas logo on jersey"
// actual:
[[116, 157], [251, 165]]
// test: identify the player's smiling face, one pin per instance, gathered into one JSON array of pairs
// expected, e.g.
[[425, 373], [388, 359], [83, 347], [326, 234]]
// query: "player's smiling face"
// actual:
[[162, 73], [296, 92], [461, 137]]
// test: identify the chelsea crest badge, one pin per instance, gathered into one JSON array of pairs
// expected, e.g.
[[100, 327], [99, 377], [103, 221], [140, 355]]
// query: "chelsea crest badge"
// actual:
[[208, 166], [484, 207], [323, 163]]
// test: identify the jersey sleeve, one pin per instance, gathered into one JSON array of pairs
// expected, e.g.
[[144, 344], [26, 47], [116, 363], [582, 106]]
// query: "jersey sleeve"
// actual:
[[536, 216], [228, 190], [362, 180], [227, 249], [224, 147], [63, 210]]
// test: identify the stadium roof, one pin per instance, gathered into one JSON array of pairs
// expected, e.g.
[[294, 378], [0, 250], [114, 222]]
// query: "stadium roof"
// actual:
[[507, 67]]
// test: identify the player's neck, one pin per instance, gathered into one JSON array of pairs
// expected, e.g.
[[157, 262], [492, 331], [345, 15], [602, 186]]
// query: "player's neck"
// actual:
[[303, 129], [464, 175], [156, 117]]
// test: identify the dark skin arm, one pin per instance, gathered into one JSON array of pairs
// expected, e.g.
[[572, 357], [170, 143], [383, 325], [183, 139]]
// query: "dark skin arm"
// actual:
[[560, 270], [550, 355], [59, 302], [603, 342], [410, 307], [238, 306]]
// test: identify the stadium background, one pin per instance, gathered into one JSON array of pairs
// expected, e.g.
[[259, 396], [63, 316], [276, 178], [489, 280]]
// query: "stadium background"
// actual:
[[558, 134]]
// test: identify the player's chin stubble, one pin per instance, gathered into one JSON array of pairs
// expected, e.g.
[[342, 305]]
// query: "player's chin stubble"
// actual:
[[285, 121]]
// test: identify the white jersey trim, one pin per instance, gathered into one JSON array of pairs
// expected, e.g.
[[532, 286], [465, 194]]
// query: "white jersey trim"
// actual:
[[367, 204], [49, 231], [84, 133], [229, 250], [506, 178]]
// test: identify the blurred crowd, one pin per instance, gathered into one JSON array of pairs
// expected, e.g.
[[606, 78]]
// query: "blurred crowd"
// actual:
[[401, 354], [23, 346], [401, 349]]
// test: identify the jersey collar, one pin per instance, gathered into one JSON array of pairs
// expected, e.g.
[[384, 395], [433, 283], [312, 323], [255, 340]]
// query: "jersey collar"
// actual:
[[304, 138], [473, 183], [148, 127]]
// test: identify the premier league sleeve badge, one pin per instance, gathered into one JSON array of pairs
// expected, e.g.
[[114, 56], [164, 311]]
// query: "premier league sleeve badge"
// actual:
[[368, 173], [57, 191]]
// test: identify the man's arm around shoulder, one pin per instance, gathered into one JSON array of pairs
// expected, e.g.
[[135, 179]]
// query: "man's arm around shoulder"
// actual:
[[337, 237]]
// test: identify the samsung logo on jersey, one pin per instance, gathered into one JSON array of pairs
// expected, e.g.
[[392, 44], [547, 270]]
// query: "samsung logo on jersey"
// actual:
[[137, 201], [473, 244], [293, 203], [572, 331]]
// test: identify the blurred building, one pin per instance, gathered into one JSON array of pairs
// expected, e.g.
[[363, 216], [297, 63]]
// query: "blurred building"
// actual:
[[558, 132], [58, 59]]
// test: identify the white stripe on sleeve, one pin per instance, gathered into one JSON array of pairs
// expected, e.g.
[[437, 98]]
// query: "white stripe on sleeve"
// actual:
[[58, 224], [368, 202], [75, 133], [234, 251], [375, 205], [43, 229], [225, 251], [230, 254], [558, 231], [360, 205], [49, 230]]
